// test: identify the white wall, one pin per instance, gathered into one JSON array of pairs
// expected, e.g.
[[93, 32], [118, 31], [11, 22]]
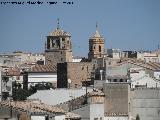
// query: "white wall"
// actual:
[[42, 77], [157, 75], [57, 96], [115, 118], [37, 117], [140, 56], [76, 59], [60, 117], [84, 112], [141, 78], [116, 55], [146, 103], [96, 111]]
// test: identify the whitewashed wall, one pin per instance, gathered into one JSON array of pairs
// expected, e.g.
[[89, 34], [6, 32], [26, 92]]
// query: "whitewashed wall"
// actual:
[[116, 118], [157, 75], [116, 55], [141, 78], [37, 117], [146, 103], [60, 117], [42, 77], [96, 111]]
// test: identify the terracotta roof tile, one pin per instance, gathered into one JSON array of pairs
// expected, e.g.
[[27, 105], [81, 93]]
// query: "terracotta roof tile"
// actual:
[[149, 65], [96, 92], [30, 106], [13, 71], [43, 68]]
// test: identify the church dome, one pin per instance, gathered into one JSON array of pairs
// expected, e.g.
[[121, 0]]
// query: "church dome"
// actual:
[[59, 32]]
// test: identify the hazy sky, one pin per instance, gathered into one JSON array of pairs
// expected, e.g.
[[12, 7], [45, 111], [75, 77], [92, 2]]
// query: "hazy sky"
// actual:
[[125, 24]]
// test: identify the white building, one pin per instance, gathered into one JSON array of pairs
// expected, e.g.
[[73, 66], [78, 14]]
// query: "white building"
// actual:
[[114, 53], [147, 57], [139, 78], [29, 110], [17, 58], [57, 96], [76, 59], [116, 117], [42, 74], [94, 109]]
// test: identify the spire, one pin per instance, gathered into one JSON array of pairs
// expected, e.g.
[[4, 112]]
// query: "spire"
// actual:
[[58, 24], [96, 26], [97, 33]]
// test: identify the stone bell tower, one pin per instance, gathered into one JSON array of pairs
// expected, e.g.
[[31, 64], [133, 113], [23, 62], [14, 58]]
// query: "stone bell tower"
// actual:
[[58, 48], [96, 46]]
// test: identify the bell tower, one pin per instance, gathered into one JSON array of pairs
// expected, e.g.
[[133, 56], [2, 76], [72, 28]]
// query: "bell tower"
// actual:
[[96, 46], [58, 47]]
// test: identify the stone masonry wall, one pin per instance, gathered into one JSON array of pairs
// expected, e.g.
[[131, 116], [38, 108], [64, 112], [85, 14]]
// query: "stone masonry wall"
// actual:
[[76, 72]]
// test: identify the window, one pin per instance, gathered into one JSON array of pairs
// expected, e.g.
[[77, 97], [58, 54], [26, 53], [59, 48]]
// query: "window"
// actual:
[[100, 48], [121, 80], [63, 39], [115, 80]]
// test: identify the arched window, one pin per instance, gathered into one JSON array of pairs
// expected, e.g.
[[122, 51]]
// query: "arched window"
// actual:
[[100, 48], [121, 80], [115, 80]]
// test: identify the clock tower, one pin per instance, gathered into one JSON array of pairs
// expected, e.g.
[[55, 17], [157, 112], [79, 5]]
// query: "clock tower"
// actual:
[[58, 47]]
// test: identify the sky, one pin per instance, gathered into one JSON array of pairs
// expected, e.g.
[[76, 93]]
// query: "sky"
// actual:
[[124, 24]]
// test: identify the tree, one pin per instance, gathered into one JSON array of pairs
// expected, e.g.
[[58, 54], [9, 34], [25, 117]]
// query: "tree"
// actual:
[[21, 94], [18, 93], [137, 117]]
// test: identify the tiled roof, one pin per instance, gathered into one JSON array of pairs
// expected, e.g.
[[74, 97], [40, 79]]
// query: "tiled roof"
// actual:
[[96, 92], [59, 32], [29, 106], [148, 65], [13, 71], [32, 107], [96, 34], [72, 115], [117, 77], [43, 68], [116, 114]]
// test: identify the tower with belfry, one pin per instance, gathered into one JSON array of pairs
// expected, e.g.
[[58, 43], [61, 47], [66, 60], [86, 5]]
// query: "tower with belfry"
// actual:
[[96, 46], [58, 47]]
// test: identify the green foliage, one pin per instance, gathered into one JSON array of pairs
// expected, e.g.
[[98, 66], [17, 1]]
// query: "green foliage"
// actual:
[[137, 117], [21, 94], [18, 93]]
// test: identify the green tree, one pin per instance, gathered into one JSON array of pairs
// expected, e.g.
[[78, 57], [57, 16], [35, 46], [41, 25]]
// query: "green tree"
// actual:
[[21, 94], [137, 117], [18, 93]]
